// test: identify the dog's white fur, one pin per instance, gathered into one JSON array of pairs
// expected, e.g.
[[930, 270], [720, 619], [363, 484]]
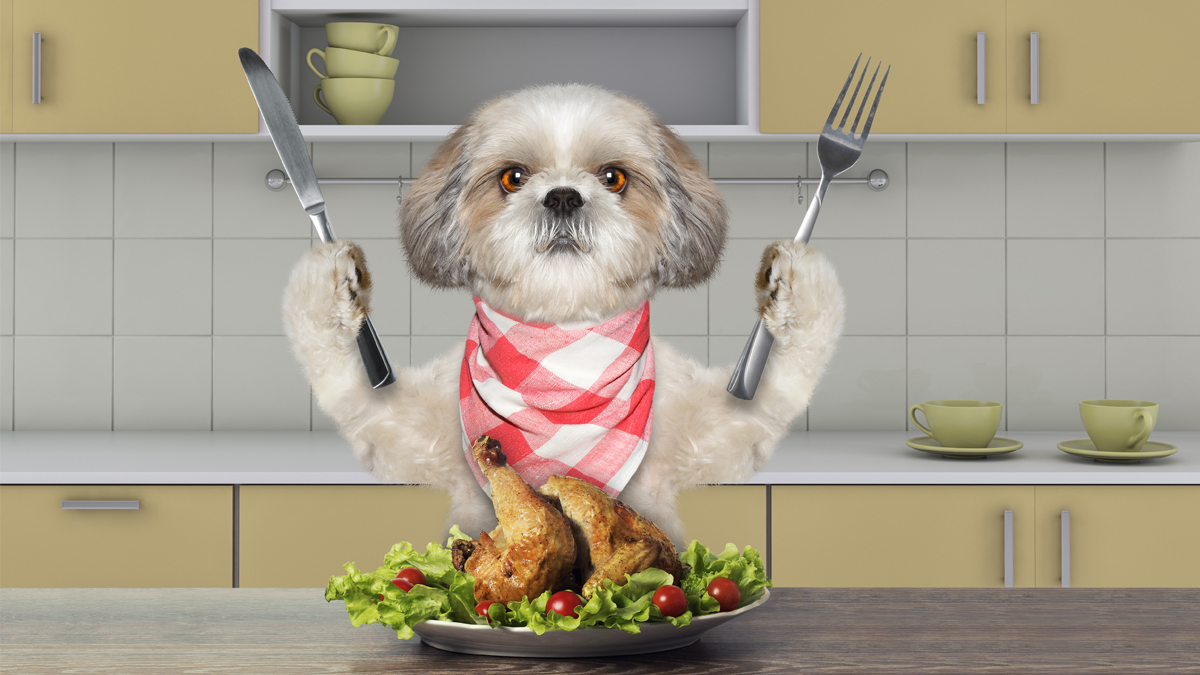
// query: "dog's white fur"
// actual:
[[460, 228]]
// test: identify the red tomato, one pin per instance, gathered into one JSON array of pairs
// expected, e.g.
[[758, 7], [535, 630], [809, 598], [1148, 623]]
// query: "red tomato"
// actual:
[[412, 575], [670, 600], [482, 608], [403, 584], [565, 603], [725, 592]]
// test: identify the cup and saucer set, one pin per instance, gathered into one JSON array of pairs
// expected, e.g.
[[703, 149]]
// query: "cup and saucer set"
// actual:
[[1118, 431]]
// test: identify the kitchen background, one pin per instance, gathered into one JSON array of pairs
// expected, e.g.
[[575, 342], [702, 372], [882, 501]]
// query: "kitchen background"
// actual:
[[140, 283]]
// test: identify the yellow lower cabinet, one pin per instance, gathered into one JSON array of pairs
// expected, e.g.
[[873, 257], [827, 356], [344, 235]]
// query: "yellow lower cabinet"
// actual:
[[179, 536], [716, 515], [297, 536], [899, 535], [1121, 536]]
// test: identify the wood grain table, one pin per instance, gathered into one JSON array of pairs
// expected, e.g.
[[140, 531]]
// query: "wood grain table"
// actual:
[[269, 631]]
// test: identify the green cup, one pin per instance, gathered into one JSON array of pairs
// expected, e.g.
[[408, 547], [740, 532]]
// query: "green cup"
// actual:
[[372, 38], [350, 63], [355, 100], [959, 423], [1117, 424]]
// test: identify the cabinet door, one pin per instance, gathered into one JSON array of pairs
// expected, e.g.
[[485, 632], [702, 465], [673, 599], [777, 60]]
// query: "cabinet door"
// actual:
[[297, 536], [899, 535], [6, 12], [808, 46], [180, 536], [1122, 536], [1105, 66], [134, 66], [716, 515]]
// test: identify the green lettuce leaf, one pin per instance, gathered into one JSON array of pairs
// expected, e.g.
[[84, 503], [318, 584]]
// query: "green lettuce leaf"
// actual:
[[745, 569]]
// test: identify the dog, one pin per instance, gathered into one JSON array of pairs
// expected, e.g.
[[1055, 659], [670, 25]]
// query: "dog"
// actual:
[[564, 205]]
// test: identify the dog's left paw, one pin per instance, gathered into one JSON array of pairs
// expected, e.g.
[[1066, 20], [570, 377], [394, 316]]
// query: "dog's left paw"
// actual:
[[796, 286]]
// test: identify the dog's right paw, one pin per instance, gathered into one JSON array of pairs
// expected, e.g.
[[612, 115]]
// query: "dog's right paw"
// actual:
[[330, 287]]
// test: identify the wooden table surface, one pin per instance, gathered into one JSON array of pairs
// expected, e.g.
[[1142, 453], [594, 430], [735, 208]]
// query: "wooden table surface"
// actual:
[[268, 631]]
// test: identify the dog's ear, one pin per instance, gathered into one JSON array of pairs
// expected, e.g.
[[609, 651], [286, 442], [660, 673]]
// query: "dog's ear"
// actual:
[[431, 227], [693, 234]]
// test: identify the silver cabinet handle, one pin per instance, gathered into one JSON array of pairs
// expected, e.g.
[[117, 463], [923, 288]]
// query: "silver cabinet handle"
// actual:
[[37, 68], [1033, 68], [1008, 548], [981, 68], [1066, 549], [93, 504]]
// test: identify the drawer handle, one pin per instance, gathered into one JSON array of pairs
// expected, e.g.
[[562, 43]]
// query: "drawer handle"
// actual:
[[94, 504], [1008, 549], [981, 68], [1066, 549], [37, 68], [1033, 68]]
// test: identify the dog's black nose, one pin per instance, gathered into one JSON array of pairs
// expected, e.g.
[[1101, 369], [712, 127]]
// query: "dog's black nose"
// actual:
[[563, 200]]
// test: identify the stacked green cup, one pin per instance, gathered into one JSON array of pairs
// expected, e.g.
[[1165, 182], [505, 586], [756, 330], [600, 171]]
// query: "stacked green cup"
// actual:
[[359, 83]]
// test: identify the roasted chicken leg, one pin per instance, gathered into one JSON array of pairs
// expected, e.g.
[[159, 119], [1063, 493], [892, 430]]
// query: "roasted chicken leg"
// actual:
[[612, 539], [531, 551]]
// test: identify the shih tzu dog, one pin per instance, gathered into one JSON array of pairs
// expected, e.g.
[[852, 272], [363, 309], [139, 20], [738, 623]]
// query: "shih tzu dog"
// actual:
[[563, 209]]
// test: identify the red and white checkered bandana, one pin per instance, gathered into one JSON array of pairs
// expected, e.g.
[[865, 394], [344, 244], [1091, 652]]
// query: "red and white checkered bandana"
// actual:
[[566, 400]]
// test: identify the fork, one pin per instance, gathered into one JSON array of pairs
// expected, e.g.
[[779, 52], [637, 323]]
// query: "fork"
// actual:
[[837, 151]]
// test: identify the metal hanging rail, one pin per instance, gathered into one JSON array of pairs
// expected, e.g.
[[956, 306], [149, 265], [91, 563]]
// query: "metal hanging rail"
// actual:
[[877, 180]]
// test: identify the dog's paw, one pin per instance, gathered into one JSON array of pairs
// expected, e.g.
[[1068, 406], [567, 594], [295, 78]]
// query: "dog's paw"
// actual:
[[796, 286], [330, 287]]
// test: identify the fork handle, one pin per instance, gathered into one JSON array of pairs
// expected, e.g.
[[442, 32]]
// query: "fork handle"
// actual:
[[814, 209]]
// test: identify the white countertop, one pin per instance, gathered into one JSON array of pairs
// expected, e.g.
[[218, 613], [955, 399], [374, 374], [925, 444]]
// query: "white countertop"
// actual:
[[814, 458]]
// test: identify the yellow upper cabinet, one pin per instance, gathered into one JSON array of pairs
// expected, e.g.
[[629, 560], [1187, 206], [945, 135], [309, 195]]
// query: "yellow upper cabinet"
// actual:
[[807, 48], [132, 66], [1105, 66]]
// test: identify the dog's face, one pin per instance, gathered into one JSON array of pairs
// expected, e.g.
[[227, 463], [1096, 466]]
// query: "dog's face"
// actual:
[[563, 203]]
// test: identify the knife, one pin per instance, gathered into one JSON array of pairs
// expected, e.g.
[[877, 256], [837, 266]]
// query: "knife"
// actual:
[[289, 143]]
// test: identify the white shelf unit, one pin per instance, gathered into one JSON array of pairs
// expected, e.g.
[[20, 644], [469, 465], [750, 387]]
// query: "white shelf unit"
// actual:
[[694, 61]]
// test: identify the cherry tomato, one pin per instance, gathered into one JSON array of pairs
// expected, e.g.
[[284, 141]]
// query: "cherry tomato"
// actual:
[[565, 603], [412, 575], [403, 584], [482, 608], [725, 592], [670, 600]]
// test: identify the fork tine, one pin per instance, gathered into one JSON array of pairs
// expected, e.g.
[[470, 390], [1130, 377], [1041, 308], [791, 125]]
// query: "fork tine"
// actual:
[[838, 103], [871, 116], [866, 95], [850, 106]]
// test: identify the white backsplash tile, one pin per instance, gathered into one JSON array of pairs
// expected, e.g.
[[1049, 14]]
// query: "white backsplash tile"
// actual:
[[1150, 189], [955, 190], [64, 287], [1055, 190], [678, 311], [421, 154], [162, 383], [360, 211], [1160, 369], [1048, 377], [762, 211], [64, 190], [163, 287], [1055, 287], [731, 303], [786, 159], [872, 274], [390, 286], [163, 190], [1153, 286], [243, 206], [62, 383], [7, 280], [857, 210], [863, 388], [956, 287], [437, 311], [956, 368], [6, 383], [8, 189], [427, 348], [362, 160], [248, 286], [258, 385], [694, 347]]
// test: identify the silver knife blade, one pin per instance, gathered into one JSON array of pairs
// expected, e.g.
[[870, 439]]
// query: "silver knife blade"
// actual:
[[285, 134]]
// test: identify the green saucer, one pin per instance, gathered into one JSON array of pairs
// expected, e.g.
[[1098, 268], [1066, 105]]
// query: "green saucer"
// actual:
[[998, 446], [1085, 448]]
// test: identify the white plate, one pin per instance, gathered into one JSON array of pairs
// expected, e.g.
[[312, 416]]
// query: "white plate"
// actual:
[[557, 644]]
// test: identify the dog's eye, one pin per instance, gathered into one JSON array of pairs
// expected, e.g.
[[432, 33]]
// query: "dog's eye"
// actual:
[[613, 179], [512, 179]]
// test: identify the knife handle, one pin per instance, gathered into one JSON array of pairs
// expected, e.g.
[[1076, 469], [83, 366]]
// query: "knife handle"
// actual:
[[379, 369]]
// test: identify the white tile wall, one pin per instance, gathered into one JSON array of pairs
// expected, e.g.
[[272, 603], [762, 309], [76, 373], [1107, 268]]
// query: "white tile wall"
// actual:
[[150, 275]]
